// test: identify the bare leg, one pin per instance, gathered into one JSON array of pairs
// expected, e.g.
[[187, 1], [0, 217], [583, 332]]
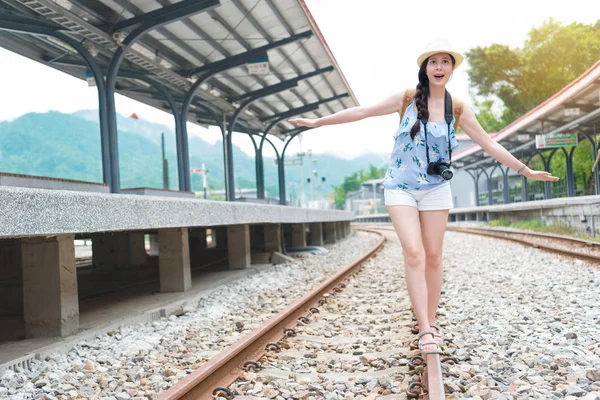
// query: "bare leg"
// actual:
[[408, 228], [433, 227]]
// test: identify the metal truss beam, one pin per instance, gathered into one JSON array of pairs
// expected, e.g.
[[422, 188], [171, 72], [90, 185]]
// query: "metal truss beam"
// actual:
[[240, 59], [303, 109], [175, 112], [260, 175], [269, 89], [260, 172], [35, 26], [28, 21], [168, 14], [281, 169], [250, 98], [266, 91], [527, 145], [111, 78], [245, 11]]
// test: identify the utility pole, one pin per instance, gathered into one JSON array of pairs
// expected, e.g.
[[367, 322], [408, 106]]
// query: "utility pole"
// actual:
[[299, 160], [204, 183], [165, 163], [204, 173], [314, 181]]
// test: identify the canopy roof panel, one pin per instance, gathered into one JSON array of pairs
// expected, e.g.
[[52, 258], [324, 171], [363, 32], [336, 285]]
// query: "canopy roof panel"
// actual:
[[574, 109], [174, 51]]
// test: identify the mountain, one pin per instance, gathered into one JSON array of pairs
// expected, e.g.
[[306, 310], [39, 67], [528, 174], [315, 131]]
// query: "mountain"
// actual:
[[68, 146]]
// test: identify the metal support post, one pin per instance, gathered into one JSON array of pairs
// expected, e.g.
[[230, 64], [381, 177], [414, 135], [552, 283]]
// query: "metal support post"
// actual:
[[524, 188], [505, 184], [179, 140], [207, 71], [282, 195], [547, 184], [570, 174], [39, 27], [281, 117], [475, 176], [146, 23]]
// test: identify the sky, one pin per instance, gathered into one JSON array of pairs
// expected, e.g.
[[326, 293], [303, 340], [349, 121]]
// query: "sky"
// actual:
[[375, 45]]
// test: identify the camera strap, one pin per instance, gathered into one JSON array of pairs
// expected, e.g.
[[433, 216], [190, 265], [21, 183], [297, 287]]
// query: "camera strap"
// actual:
[[448, 117]]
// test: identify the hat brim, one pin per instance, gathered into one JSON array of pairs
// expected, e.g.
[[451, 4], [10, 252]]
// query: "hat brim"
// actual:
[[458, 58]]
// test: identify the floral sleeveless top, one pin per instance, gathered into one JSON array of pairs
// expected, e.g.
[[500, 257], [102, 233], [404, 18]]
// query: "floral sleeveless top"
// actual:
[[407, 169]]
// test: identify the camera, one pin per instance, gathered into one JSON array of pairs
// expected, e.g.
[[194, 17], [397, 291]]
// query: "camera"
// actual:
[[440, 168]]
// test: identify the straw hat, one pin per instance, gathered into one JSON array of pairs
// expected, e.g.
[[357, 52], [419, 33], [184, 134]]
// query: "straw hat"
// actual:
[[440, 46]]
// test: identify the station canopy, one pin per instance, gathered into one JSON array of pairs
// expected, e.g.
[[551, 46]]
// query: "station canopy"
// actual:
[[204, 33], [573, 111]]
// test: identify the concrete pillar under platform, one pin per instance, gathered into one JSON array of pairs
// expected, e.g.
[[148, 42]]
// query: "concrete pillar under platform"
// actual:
[[238, 248], [174, 260], [348, 228], [298, 236], [50, 298], [316, 234], [329, 234], [118, 250], [272, 238], [11, 278]]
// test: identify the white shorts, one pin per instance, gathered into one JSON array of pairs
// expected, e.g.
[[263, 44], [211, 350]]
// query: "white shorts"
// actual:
[[437, 198]]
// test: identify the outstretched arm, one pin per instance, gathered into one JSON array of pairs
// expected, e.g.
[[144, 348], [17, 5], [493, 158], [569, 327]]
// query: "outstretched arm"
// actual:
[[388, 106], [474, 130]]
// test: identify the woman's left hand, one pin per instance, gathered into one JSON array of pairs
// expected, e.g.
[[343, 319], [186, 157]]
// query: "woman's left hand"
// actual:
[[540, 175]]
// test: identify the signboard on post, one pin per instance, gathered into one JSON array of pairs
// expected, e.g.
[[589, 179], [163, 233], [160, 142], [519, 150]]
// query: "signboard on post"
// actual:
[[556, 140], [259, 66], [89, 77], [292, 161], [572, 111]]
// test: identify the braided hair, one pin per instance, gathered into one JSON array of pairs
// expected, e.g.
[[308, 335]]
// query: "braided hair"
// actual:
[[422, 95]]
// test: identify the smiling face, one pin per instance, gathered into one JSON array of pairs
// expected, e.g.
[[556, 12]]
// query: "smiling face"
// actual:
[[439, 69]]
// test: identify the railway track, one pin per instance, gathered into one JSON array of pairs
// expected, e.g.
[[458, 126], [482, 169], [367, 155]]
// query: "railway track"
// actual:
[[564, 245], [351, 334], [567, 246]]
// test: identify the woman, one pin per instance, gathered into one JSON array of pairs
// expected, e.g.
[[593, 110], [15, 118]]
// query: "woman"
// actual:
[[417, 197]]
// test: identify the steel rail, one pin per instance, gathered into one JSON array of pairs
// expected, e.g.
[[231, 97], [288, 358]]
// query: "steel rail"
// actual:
[[432, 375], [572, 239], [514, 236], [432, 378], [224, 368]]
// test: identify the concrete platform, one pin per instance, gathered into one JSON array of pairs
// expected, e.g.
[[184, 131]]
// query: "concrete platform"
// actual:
[[143, 191], [581, 213], [139, 304], [562, 202], [28, 212], [44, 182], [39, 275]]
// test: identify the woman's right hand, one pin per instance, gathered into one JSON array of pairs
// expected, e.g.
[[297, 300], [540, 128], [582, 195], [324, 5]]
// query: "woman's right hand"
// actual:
[[310, 123]]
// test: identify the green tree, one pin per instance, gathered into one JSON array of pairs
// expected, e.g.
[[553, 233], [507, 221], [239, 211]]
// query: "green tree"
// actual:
[[551, 57], [353, 182], [487, 117]]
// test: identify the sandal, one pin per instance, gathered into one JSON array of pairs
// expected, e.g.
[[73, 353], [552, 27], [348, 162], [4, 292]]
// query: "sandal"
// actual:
[[437, 333], [420, 336]]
